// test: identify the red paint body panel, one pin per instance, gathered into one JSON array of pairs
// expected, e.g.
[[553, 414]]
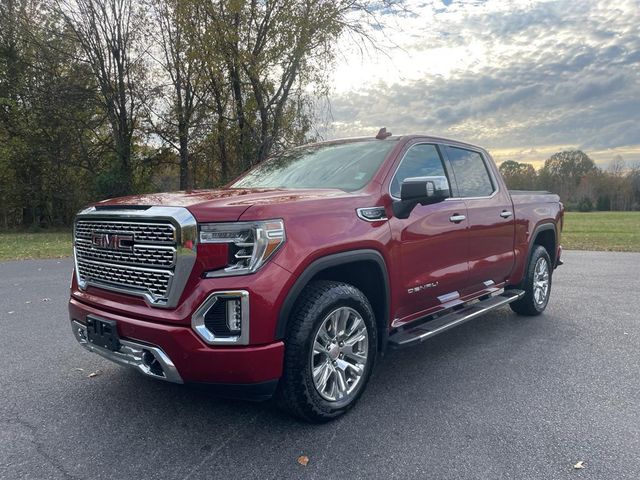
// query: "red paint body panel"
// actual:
[[424, 249]]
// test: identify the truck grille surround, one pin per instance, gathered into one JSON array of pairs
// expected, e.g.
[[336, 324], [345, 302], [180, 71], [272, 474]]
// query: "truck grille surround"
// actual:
[[147, 252]]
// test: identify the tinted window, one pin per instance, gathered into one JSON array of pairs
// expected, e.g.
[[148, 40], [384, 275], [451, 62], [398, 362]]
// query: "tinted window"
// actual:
[[420, 161], [346, 166], [471, 173]]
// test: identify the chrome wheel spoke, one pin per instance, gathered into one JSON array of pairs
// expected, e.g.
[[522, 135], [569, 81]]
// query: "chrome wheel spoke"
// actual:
[[357, 369], [341, 383], [333, 321], [343, 317], [321, 375], [356, 357], [356, 333], [319, 348], [323, 335]]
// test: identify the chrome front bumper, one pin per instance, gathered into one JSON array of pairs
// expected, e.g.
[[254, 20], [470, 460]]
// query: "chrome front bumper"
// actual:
[[147, 359]]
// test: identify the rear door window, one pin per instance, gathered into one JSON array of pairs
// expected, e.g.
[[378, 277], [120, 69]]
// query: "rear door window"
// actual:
[[470, 170]]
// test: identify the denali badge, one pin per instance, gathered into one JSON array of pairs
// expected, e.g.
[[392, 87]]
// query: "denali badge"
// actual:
[[419, 288], [113, 241]]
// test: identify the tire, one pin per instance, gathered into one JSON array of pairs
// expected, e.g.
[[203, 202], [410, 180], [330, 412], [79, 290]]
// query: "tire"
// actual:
[[327, 311], [536, 297]]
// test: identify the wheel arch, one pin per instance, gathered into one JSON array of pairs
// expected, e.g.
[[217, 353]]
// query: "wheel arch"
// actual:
[[365, 269], [546, 236]]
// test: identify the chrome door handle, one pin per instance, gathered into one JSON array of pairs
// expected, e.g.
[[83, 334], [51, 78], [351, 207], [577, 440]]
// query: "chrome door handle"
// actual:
[[457, 218], [506, 214]]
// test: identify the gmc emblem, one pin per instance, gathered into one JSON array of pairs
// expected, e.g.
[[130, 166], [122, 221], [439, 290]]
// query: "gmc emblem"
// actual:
[[122, 242]]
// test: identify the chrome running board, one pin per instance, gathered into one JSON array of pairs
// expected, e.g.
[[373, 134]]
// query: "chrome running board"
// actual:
[[412, 334]]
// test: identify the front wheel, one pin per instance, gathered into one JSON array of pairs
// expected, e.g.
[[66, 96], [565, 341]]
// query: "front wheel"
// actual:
[[330, 351], [536, 285]]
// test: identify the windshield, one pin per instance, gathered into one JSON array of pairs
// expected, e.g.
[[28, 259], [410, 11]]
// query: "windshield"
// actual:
[[345, 166]]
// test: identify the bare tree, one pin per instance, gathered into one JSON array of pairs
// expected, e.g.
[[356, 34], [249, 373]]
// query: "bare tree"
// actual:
[[267, 59], [183, 117], [110, 32]]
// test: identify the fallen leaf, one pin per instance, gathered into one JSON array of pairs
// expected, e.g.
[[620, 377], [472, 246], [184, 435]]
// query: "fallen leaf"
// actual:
[[79, 369], [28, 302], [303, 460], [94, 374], [579, 465], [11, 312]]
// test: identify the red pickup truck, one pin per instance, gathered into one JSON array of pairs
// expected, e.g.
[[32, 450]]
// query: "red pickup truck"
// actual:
[[295, 278]]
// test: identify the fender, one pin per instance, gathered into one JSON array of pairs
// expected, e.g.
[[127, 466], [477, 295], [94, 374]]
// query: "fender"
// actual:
[[329, 261], [539, 228]]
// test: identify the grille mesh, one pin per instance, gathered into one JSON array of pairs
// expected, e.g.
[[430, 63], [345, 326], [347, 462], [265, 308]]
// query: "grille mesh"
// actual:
[[143, 255], [149, 268], [144, 232], [156, 282]]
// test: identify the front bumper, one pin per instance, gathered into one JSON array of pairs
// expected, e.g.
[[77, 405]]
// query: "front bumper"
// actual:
[[183, 356], [145, 358]]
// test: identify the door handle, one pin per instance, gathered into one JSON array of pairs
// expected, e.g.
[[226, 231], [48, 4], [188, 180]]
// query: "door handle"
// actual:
[[457, 218], [506, 213]]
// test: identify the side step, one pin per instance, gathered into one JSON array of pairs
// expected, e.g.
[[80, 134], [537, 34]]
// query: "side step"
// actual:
[[418, 334]]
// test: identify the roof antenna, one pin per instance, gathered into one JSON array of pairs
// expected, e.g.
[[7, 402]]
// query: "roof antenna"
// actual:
[[382, 134]]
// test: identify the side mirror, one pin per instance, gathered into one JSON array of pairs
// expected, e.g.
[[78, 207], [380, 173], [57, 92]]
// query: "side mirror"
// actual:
[[420, 190]]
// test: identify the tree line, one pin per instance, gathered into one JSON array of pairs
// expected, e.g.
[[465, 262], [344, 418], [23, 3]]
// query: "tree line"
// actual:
[[100, 98], [581, 184]]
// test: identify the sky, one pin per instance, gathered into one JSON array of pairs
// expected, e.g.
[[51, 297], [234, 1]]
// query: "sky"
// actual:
[[524, 79]]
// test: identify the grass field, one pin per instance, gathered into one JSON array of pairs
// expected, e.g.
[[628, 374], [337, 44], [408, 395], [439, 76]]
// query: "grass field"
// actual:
[[608, 231], [20, 246]]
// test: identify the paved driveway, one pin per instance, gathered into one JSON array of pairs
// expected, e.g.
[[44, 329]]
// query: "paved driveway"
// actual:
[[500, 397]]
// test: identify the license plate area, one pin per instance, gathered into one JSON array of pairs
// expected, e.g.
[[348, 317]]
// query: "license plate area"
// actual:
[[103, 333]]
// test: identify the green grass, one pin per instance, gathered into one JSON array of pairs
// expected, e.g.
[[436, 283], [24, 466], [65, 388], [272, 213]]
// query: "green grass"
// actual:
[[606, 231], [21, 246]]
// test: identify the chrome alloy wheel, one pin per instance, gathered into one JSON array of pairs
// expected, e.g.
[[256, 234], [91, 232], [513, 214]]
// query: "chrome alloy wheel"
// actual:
[[340, 354], [541, 281]]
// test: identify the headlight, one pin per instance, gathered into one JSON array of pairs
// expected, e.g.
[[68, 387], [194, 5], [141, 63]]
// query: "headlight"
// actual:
[[250, 244]]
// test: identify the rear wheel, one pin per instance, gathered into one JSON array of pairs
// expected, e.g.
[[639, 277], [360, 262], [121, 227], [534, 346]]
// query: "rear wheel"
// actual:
[[330, 350], [536, 284]]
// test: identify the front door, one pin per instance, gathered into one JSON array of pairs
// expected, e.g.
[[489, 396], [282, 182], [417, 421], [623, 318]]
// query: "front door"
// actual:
[[430, 247]]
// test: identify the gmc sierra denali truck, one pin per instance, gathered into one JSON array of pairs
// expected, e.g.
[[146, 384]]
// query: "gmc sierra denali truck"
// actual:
[[295, 278]]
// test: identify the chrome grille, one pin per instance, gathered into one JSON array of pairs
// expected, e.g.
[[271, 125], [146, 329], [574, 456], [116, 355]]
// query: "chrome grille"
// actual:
[[159, 262]]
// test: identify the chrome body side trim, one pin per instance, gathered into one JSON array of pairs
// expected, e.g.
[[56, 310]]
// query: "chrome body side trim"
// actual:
[[198, 325], [186, 236], [132, 354]]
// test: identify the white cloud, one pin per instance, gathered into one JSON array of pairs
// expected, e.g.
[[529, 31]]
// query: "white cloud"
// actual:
[[511, 76]]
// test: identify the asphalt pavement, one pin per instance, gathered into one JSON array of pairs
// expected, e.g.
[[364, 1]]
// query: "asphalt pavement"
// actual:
[[501, 397]]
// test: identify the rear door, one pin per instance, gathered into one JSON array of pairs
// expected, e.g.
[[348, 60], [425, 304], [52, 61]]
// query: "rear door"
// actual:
[[430, 247], [489, 215]]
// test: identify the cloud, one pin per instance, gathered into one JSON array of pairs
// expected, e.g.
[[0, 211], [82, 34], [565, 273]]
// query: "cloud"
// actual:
[[511, 76]]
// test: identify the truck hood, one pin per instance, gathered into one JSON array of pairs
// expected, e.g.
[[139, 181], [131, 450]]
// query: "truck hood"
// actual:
[[226, 204]]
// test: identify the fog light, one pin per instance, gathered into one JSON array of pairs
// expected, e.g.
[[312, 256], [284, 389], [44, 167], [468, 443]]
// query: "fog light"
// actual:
[[223, 318], [234, 316]]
